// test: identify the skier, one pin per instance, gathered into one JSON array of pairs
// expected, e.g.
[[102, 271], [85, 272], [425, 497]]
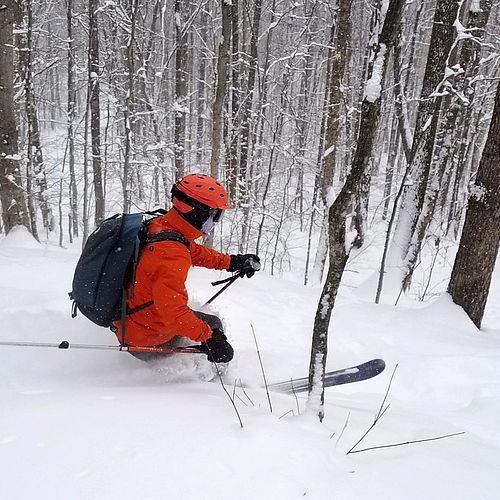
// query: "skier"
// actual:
[[198, 204]]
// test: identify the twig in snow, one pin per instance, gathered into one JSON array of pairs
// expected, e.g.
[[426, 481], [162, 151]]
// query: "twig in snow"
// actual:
[[285, 414], [262, 369], [234, 389], [227, 392], [245, 393], [381, 411], [235, 395], [379, 415], [408, 442], [296, 398], [343, 429]]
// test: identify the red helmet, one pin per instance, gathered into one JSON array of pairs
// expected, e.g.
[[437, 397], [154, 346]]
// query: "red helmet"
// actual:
[[202, 188]]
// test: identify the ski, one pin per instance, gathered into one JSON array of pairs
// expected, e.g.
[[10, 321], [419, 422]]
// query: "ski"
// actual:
[[356, 373]]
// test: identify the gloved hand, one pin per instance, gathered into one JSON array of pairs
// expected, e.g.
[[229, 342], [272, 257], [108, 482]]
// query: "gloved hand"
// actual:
[[246, 264], [217, 348]]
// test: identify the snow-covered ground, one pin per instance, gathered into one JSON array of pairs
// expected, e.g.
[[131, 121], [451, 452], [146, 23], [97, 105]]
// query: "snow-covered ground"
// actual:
[[81, 424]]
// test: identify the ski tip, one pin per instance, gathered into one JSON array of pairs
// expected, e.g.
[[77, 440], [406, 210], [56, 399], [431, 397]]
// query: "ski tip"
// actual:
[[378, 365]]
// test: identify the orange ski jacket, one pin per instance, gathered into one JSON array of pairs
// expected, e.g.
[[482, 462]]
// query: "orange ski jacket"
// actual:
[[161, 276]]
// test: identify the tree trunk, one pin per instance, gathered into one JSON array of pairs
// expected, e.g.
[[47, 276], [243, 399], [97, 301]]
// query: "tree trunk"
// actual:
[[95, 113], [475, 261], [220, 89], [343, 206], [181, 89], [339, 59], [232, 156], [13, 202], [35, 167], [201, 104], [453, 104], [129, 111], [441, 44], [71, 110], [248, 104]]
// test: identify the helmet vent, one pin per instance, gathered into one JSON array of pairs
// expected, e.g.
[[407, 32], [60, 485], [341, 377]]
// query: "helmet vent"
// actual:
[[203, 189]]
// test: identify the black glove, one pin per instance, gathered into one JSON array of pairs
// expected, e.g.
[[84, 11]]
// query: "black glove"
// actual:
[[217, 348], [246, 264]]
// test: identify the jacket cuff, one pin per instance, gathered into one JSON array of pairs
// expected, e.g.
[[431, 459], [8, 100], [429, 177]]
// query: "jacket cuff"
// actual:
[[205, 334]]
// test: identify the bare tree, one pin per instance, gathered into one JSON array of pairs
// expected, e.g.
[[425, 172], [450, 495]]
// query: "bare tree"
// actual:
[[471, 276], [129, 109], [232, 146], [181, 88], [35, 166], [94, 71], [338, 60], [343, 206], [441, 44], [71, 115], [220, 88], [12, 197], [248, 101]]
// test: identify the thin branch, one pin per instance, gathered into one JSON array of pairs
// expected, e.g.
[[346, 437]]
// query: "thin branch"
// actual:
[[295, 395], [226, 391], [379, 415], [245, 393], [362, 437], [409, 442], [343, 429], [285, 414], [381, 411], [262, 369]]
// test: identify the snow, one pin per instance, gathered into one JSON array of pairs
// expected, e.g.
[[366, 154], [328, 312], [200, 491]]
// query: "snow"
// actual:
[[475, 6], [14, 157], [80, 424], [331, 195], [373, 86]]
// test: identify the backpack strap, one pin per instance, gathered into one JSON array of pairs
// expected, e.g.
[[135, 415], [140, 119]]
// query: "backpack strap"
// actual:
[[167, 235], [156, 212]]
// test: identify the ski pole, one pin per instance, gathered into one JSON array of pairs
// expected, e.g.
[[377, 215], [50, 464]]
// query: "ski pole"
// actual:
[[229, 282], [67, 345]]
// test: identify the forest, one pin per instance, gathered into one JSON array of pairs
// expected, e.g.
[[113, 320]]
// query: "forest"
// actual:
[[330, 122]]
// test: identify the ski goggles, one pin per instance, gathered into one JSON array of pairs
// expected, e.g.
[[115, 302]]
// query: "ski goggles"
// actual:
[[214, 216]]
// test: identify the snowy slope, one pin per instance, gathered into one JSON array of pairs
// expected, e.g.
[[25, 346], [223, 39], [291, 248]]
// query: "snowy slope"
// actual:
[[101, 425]]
